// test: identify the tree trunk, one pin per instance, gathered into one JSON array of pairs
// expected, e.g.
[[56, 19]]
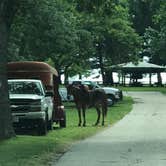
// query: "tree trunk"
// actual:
[[109, 78], [159, 79], [66, 75], [6, 128], [101, 65], [150, 79]]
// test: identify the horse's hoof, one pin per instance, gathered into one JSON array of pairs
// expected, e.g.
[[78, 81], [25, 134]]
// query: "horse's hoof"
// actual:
[[79, 125], [84, 125]]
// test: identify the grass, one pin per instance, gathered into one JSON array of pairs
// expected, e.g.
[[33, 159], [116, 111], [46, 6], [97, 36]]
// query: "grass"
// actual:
[[41, 150]]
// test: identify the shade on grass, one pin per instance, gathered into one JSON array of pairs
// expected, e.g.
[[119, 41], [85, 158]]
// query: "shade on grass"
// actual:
[[40, 150]]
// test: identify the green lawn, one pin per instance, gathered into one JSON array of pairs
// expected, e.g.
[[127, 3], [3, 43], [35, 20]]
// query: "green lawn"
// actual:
[[40, 150]]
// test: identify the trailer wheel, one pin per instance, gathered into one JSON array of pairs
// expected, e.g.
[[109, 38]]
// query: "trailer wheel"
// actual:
[[62, 123]]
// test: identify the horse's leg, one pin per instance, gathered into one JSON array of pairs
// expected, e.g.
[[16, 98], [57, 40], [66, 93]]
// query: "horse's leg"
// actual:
[[98, 118], [104, 111], [103, 115], [84, 116], [79, 115]]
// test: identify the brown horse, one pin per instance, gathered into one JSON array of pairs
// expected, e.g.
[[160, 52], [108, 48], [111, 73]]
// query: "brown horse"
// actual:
[[85, 98]]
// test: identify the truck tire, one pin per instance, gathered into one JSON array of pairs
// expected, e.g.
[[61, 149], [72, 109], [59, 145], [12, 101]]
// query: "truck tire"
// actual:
[[112, 97], [42, 127]]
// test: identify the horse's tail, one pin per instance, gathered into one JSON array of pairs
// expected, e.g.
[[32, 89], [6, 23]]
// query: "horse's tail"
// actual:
[[104, 106]]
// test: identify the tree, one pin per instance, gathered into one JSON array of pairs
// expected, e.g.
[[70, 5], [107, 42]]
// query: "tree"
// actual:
[[73, 33], [7, 10], [155, 37], [142, 12], [114, 38], [49, 28]]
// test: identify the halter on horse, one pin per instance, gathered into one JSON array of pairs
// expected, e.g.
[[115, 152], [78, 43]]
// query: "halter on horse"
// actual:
[[84, 98]]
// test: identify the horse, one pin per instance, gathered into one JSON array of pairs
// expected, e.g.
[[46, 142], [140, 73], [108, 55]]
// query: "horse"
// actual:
[[85, 98]]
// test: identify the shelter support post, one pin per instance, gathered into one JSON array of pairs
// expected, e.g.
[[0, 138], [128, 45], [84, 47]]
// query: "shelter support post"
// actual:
[[123, 79], [119, 75], [130, 79], [159, 79], [150, 79]]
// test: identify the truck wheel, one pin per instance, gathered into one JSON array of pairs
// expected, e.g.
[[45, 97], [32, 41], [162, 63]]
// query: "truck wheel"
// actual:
[[62, 123], [42, 127]]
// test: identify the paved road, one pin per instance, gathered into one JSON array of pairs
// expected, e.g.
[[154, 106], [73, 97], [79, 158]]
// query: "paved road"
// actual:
[[139, 139]]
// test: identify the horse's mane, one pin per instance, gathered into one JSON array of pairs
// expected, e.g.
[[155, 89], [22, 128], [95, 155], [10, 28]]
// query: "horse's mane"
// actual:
[[93, 96], [84, 88]]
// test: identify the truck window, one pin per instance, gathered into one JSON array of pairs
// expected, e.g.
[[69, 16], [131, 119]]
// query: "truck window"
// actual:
[[25, 88]]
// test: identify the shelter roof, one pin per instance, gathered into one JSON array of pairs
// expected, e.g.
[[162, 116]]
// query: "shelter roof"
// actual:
[[143, 67]]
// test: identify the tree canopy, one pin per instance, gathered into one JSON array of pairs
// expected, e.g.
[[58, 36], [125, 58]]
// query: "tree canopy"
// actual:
[[72, 32], [156, 37], [148, 19], [77, 35]]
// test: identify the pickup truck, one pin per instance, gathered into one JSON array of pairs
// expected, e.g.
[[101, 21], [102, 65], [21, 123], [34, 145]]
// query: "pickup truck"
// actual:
[[45, 96], [31, 105]]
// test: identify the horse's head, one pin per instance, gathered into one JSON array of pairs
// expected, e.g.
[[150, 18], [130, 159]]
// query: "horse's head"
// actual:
[[72, 89], [85, 88], [76, 90]]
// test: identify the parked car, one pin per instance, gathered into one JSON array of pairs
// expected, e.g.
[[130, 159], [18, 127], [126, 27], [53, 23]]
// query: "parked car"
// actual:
[[113, 94], [64, 96], [49, 79]]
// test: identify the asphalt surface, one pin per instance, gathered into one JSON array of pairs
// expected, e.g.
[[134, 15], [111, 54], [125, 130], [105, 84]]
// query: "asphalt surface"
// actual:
[[139, 139]]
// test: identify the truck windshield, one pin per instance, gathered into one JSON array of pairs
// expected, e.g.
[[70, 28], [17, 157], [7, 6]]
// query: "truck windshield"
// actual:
[[25, 88]]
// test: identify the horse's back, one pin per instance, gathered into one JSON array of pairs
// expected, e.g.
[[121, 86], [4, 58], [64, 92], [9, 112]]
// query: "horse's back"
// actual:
[[99, 93], [98, 96]]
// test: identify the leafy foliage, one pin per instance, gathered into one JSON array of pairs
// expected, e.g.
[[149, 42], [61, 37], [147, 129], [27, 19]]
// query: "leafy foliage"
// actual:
[[48, 28], [71, 33], [156, 37], [142, 12], [114, 38]]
